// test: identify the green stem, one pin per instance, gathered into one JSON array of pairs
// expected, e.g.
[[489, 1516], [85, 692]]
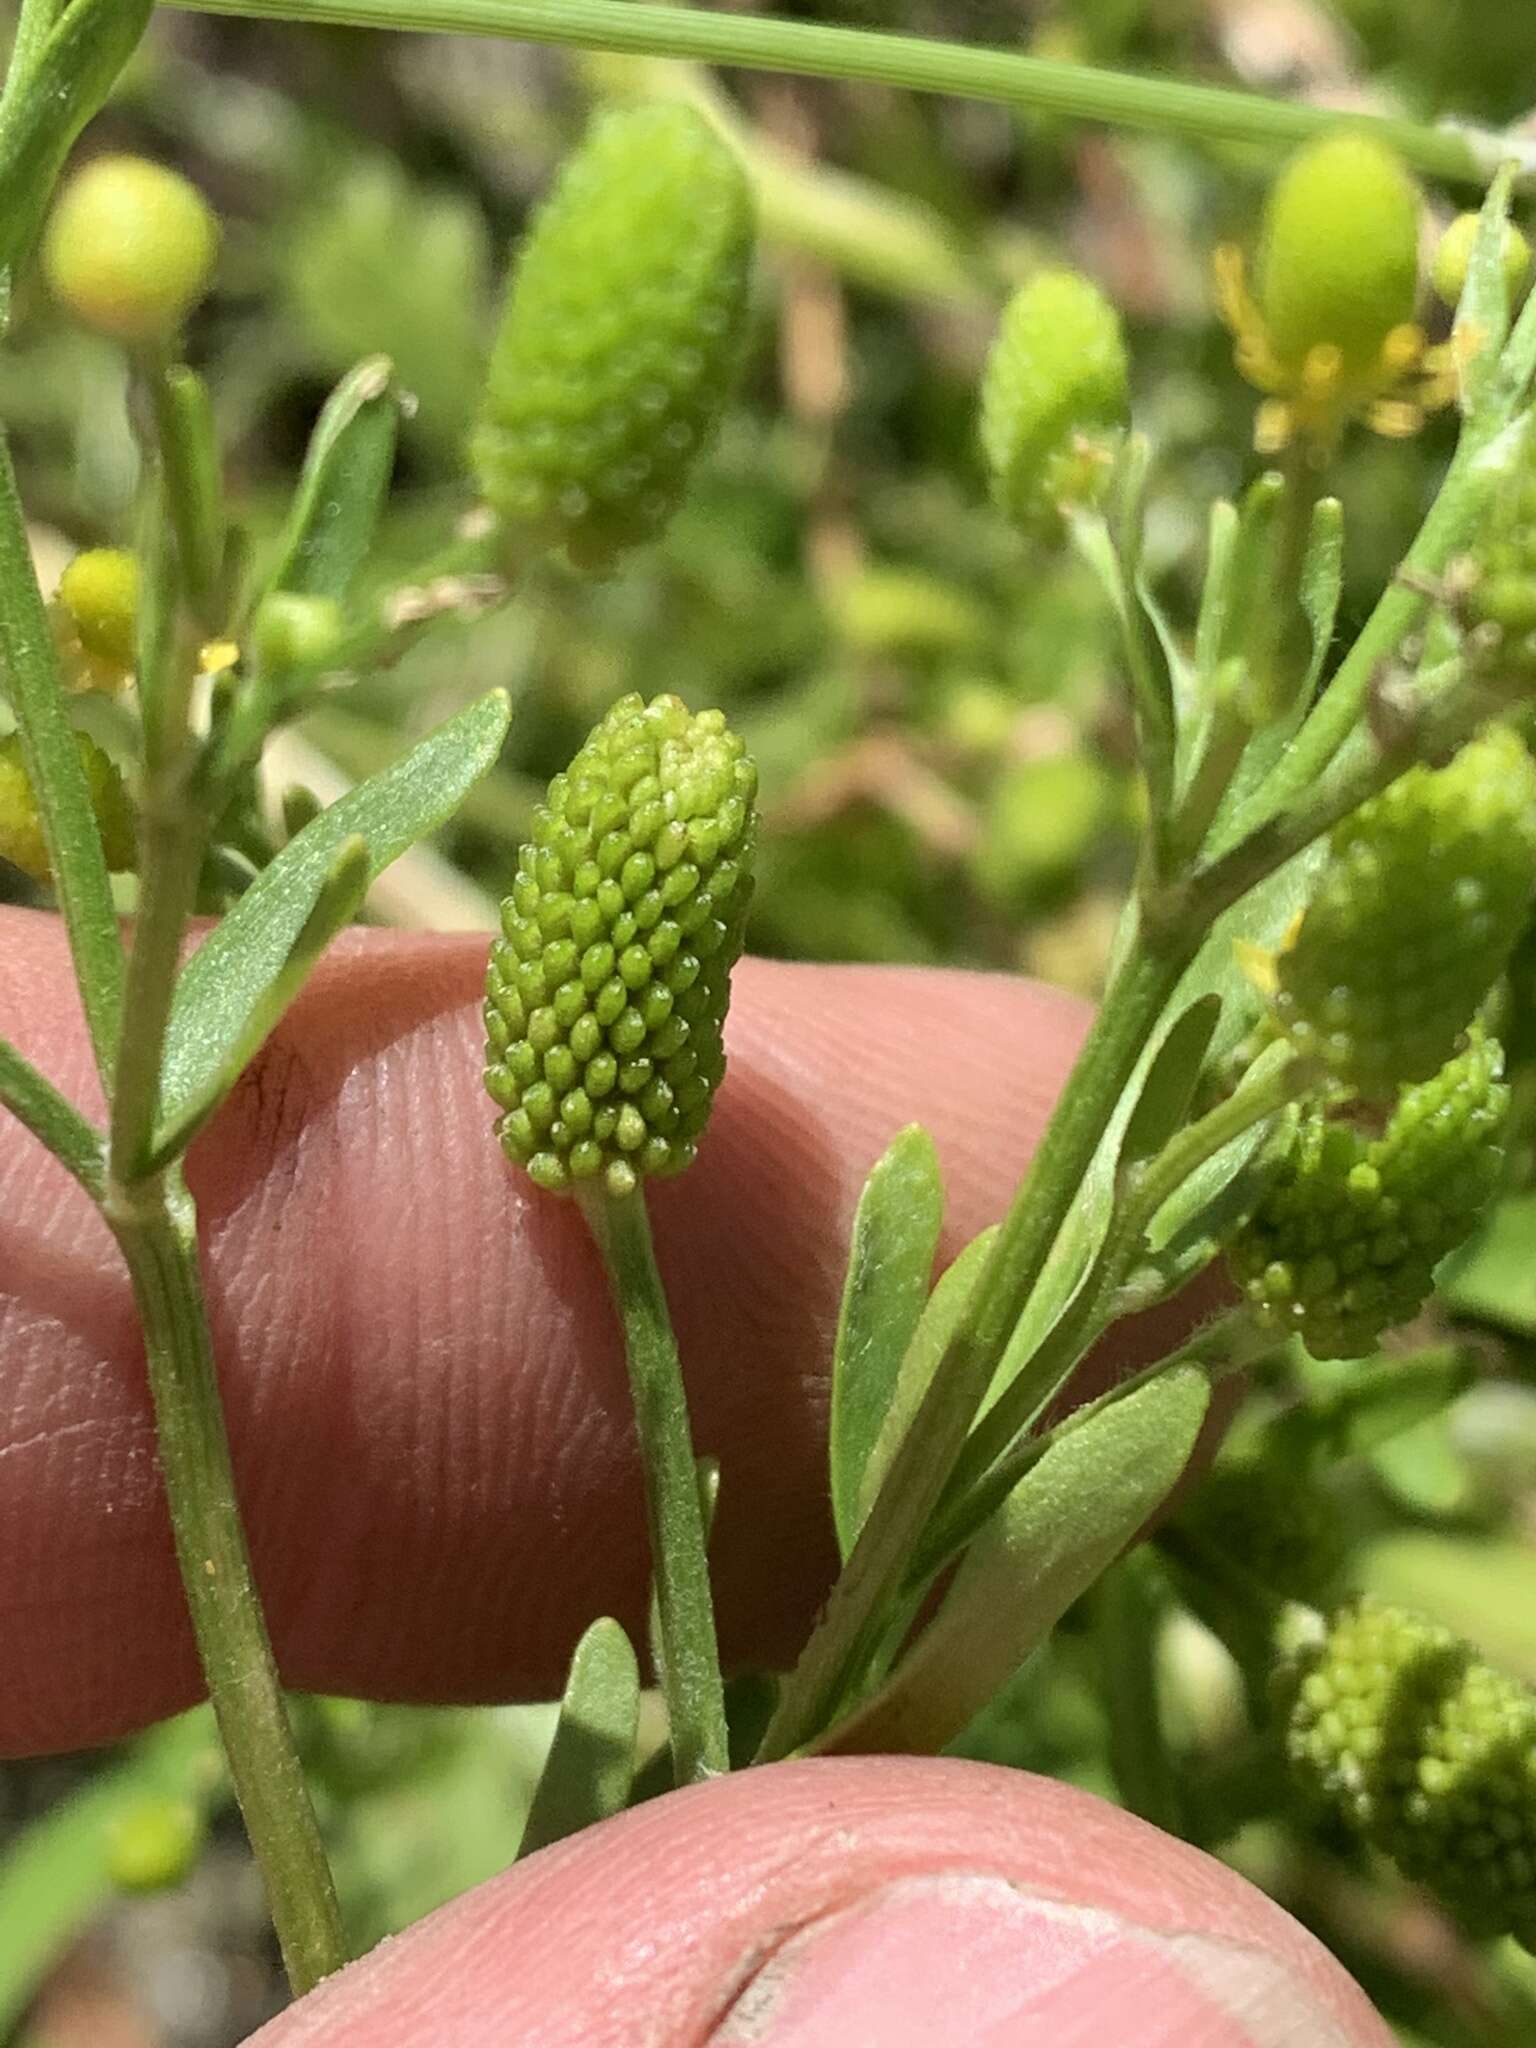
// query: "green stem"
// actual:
[[985, 1473], [170, 852], [36, 1103], [1460, 502], [1235, 1333], [852, 1623], [690, 1673], [155, 1225], [52, 759], [1446, 710], [755, 43]]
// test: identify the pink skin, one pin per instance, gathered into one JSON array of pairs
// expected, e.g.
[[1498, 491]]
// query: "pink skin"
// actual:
[[427, 1403]]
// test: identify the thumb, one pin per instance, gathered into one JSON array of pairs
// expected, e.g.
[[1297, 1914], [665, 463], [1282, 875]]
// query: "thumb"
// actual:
[[889, 1903]]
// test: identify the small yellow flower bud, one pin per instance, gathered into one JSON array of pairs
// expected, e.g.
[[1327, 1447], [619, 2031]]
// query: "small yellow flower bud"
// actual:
[[130, 248], [1453, 254], [99, 593]]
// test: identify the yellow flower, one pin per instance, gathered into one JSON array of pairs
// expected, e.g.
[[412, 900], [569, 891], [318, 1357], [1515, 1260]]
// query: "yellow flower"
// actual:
[[1328, 334]]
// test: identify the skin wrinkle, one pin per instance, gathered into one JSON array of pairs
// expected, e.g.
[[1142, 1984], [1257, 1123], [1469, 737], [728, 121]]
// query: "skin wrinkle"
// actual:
[[419, 1359], [663, 1914]]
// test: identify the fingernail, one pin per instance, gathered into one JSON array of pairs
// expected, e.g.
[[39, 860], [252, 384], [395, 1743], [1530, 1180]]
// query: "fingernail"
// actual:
[[969, 1957]]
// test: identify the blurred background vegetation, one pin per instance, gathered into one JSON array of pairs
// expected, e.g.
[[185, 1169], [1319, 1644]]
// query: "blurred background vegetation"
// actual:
[[947, 772]]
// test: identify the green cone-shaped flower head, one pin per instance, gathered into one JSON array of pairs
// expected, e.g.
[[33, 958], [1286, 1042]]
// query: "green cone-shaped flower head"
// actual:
[[1339, 254], [1345, 1243], [1414, 916], [1400, 1729], [1054, 399], [622, 334], [606, 998]]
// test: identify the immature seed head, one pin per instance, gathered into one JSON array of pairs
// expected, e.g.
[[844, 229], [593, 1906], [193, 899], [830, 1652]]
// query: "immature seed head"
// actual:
[[1339, 252], [1344, 1245], [1328, 331], [130, 248], [1415, 914], [622, 335], [607, 991], [1402, 1731], [1054, 399]]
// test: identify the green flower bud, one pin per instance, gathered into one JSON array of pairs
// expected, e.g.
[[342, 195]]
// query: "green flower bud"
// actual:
[[1453, 257], [154, 1845], [607, 992], [293, 630], [130, 248], [1399, 1729], [1054, 399], [1424, 894], [1344, 1244], [622, 334], [99, 593], [1339, 254], [21, 829]]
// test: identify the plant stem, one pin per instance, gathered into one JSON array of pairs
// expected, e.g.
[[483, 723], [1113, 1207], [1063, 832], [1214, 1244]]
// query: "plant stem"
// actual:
[[985, 1472], [155, 1224], [690, 1673], [756, 43], [852, 1622], [1460, 502], [35, 1102], [1446, 710], [1236, 1328], [52, 760]]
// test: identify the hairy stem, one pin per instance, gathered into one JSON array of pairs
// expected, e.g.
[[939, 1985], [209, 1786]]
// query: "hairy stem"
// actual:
[[155, 1224], [853, 1621], [690, 1673]]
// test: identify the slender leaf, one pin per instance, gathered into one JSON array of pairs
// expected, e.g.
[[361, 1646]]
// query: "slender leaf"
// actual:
[[938, 1323], [1071, 1515], [53, 766], [35, 1102], [890, 1263], [69, 77], [227, 979], [1322, 584], [341, 894], [194, 489], [591, 1762], [342, 486], [1482, 316], [1171, 1079], [1212, 627]]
